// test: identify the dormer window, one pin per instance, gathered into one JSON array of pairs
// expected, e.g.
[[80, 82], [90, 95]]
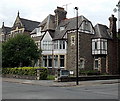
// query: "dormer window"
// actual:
[[62, 28], [86, 27], [99, 46]]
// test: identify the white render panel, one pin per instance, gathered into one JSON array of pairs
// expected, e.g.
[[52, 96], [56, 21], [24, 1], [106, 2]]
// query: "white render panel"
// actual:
[[60, 51], [47, 37], [47, 52]]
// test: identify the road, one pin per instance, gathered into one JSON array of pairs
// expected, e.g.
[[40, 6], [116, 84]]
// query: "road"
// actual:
[[27, 91]]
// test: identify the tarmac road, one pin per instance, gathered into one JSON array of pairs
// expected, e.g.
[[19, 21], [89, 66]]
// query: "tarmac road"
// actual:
[[11, 90]]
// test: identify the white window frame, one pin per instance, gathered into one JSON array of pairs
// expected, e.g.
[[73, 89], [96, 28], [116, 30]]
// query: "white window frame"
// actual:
[[101, 46]]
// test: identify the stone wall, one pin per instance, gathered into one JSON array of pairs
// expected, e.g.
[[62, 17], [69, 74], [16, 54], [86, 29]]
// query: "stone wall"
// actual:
[[71, 54], [85, 52], [112, 57]]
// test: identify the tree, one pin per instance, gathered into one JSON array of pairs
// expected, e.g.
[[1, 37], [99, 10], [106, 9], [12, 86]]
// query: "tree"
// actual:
[[20, 51]]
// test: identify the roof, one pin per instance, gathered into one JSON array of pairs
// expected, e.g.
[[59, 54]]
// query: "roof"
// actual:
[[102, 31], [5, 30], [29, 24], [51, 33], [48, 23], [69, 24]]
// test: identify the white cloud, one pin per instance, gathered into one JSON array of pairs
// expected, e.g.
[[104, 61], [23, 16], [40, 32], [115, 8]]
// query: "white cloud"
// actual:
[[96, 11]]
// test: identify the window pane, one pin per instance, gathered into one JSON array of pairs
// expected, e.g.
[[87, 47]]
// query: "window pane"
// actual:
[[55, 60], [44, 61], [95, 45], [49, 61], [60, 44], [61, 60], [96, 63], [63, 44], [104, 45]]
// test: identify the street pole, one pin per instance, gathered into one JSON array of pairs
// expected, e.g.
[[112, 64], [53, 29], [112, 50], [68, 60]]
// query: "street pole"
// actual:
[[76, 45]]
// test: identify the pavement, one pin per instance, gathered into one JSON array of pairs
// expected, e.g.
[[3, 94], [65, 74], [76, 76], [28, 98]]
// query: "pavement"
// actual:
[[52, 83]]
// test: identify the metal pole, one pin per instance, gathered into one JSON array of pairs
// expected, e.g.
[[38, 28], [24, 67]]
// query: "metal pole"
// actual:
[[76, 45], [53, 72]]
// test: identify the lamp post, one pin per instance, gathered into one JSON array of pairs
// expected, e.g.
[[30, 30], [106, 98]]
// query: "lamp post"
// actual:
[[76, 45]]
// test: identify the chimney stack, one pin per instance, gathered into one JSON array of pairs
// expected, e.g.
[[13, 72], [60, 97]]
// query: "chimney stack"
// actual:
[[60, 14], [112, 26]]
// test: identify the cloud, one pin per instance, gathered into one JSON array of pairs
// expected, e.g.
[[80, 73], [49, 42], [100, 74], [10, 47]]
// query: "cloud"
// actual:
[[96, 11]]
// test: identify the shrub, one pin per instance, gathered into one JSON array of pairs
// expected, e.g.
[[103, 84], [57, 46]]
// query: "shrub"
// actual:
[[43, 73], [30, 71], [50, 77]]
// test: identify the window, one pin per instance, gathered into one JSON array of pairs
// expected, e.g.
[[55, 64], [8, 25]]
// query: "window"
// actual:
[[99, 46], [82, 63], [62, 44], [47, 45], [44, 61], [44, 45], [56, 60], [72, 40], [55, 44], [62, 28], [86, 27], [104, 46], [61, 60], [96, 63], [95, 45], [49, 61]]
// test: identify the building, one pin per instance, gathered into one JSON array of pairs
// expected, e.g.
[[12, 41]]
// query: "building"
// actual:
[[20, 25], [98, 49], [98, 45], [4, 33], [52, 40]]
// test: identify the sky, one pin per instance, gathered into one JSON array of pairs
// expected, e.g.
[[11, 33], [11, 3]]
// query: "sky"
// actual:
[[97, 11]]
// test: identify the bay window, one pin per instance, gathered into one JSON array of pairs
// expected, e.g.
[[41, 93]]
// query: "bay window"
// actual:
[[99, 46], [47, 45], [59, 44]]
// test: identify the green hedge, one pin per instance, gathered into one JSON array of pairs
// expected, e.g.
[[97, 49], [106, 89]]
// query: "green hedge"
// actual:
[[30, 71]]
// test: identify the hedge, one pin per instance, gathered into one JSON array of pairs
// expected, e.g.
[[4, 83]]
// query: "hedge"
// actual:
[[31, 71]]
